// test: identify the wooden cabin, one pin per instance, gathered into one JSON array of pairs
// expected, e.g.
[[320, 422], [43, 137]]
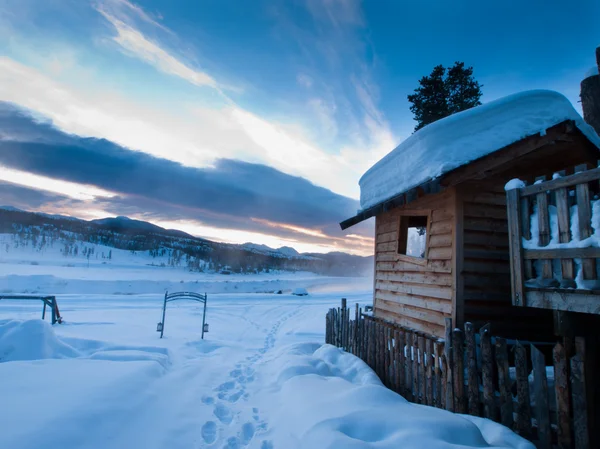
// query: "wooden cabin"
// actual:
[[464, 269]]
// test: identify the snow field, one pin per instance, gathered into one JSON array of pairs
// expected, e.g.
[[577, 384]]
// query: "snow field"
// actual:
[[261, 379]]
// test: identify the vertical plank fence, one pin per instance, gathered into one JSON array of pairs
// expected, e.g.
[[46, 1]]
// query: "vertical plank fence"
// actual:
[[536, 390]]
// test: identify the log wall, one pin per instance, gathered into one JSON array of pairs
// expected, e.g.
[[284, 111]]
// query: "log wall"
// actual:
[[486, 266], [412, 292]]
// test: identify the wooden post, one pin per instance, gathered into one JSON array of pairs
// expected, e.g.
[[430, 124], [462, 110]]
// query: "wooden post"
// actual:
[[564, 233], [439, 352], [458, 371], [338, 327], [513, 206], [487, 370], [563, 403], [449, 366], [368, 342], [584, 214], [523, 398], [355, 343], [415, 375], [327, 328], [397, 387], [393, 361], [579, 397], [422, 383], [472, 374], [387, 355], [400, 362], [382, 351], [540, 391], [409, 367], [377, 342], [506, 405], [526, 232], [544, 228], [363, 340], [429, 359]]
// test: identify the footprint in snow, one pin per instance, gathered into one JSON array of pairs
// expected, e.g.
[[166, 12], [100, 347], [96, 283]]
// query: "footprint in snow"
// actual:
[[233, 443], [236, 373], [223, 413], [247, 432], [208, 400], [226, 386], [235, 396], [266, 444], [209, 432]]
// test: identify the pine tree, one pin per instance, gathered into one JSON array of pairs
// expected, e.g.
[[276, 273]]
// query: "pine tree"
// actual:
[[444, 92]]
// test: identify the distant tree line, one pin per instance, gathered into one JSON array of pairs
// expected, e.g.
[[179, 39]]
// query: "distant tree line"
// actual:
[[39, 232]]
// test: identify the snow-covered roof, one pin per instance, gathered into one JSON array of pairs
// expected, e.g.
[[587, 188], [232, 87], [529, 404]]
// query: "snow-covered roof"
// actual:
[[464, 137]]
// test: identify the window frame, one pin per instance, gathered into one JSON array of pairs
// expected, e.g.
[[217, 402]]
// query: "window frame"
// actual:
[[403, 230]]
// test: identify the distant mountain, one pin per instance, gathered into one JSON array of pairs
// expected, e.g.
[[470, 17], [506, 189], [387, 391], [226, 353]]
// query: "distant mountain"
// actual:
[[284, 251], [122, 224], [11, 208], [199, 254]]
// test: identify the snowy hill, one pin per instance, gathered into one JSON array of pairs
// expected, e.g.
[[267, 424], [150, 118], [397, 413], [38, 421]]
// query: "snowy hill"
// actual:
[[166, 247]]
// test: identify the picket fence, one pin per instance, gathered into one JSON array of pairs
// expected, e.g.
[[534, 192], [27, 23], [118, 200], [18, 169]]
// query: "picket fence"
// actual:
[[472, 372]]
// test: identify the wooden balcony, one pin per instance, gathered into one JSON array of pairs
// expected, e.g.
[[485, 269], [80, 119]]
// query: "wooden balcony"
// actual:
[[553, 244]]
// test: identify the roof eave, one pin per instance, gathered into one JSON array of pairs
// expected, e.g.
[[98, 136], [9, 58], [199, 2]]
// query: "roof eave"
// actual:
[[428, 187]]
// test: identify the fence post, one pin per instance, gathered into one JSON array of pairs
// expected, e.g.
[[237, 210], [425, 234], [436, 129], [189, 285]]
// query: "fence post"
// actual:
[[430, 358], [355, 350], [540, 390], [472, 374], [415, 375], [563, 403], [449, 366], [578, 392], [489, 406], [409, 366], [506, 405], [523, 398], [327, 328], [439, 353], [459, 371], [387, 354]]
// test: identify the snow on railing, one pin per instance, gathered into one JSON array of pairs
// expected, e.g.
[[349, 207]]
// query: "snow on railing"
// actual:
[[554, 231]]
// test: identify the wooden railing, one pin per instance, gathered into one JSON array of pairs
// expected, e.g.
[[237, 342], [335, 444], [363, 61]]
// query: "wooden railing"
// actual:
[[553, 263], [472, 372]]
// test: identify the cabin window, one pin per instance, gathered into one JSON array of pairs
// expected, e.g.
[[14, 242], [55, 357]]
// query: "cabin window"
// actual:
[[412, 236]]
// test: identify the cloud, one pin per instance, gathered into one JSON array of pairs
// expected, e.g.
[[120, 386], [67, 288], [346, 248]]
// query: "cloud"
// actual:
[[195, 136], [136, 44], [231, 195], [325, 114]]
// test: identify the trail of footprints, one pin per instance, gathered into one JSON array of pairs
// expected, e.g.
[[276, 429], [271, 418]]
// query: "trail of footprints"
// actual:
[[231, 392], [228, 393]]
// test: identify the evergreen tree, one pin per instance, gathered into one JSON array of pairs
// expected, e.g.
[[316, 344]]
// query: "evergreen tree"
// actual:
[[444, 92]]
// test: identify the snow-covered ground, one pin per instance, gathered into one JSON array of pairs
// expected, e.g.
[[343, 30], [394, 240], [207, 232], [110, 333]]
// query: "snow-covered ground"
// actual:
[[260, 379]]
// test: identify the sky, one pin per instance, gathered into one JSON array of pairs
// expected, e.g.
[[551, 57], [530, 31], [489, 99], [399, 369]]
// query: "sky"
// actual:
[[248, 121]]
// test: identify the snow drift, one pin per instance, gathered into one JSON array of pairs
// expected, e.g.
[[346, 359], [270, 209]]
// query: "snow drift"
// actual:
[[31, 340], [463, 137], [331, 399]]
